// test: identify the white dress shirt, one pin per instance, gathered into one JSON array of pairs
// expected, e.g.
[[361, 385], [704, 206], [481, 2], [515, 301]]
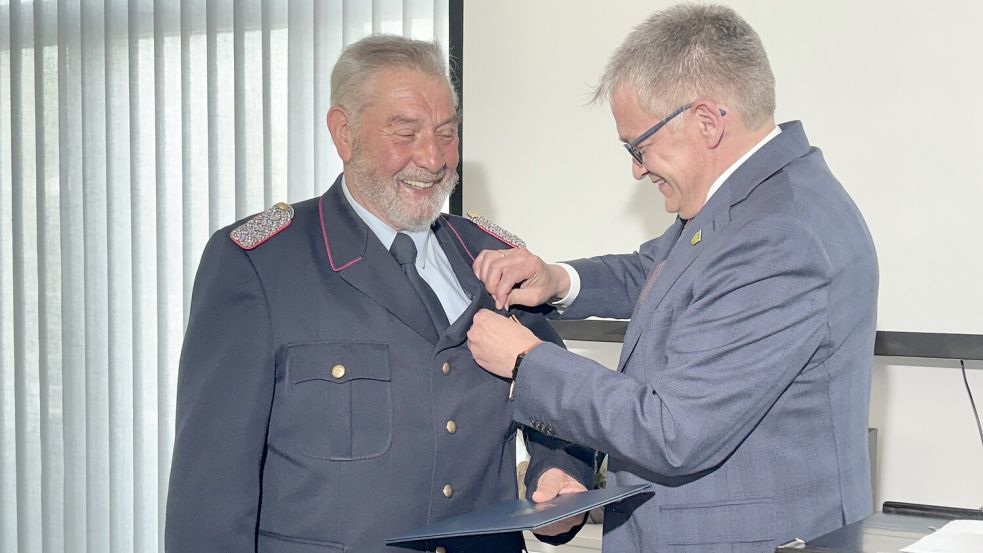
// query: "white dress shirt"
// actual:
[[431, 261]]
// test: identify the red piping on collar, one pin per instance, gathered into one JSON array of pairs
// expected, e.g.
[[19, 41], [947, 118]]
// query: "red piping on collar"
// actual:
[[459, 239], [327, 245]]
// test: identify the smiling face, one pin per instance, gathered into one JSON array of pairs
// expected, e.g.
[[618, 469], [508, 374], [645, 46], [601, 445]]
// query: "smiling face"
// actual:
[[674, 158], [401, 151]]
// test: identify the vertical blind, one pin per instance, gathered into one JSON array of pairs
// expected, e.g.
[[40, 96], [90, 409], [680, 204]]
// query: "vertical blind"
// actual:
[[130, 130]]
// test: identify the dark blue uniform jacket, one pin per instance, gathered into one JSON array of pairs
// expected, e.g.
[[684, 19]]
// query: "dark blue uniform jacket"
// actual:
[[279, 449]]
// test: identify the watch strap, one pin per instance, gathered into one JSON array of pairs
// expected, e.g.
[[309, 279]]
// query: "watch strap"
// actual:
[[515, 372]]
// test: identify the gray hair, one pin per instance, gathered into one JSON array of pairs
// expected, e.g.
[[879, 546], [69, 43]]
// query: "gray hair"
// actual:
[[360, 61], [688, 52]]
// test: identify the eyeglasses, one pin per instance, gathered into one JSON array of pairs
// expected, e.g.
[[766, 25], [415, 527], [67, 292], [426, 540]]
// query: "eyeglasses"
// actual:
[[632, 146]]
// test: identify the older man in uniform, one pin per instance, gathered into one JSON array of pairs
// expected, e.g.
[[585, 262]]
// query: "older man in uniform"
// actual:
[[327, 399]]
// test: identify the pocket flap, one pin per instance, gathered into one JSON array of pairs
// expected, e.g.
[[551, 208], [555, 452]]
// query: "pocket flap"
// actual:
[[338, 362], [734, 521]]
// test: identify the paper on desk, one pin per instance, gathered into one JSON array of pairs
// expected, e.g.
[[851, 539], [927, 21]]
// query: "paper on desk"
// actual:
[[958, 536]]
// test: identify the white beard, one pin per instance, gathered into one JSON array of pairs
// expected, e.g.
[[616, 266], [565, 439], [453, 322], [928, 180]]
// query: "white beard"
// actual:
[[381, 193]]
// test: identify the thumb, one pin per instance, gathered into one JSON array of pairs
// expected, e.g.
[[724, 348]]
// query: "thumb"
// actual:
[[546, 491], [550, 484]]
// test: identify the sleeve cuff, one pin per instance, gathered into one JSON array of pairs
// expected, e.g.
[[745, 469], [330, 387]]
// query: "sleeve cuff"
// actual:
[[574, 291]]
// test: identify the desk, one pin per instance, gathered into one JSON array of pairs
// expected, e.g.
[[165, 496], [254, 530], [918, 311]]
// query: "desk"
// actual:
[[898, 526]]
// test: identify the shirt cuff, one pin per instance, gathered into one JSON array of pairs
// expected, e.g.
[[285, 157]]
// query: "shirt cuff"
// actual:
[[567, 300]]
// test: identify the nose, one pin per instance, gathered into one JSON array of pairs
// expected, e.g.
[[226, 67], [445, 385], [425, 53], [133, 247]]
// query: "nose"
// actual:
[[638, 170], [429, 155]]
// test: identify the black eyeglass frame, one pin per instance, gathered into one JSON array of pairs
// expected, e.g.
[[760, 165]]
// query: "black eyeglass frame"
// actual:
[[632, 146]]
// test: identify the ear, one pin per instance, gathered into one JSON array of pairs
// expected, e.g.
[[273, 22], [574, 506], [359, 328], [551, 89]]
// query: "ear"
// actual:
[[711, 119], [339, 125]]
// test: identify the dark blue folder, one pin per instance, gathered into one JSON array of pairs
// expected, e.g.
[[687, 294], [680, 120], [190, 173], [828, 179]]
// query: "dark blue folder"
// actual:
[[518, 514]]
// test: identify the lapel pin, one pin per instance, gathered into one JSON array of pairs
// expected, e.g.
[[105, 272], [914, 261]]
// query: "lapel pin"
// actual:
[[696, 237]]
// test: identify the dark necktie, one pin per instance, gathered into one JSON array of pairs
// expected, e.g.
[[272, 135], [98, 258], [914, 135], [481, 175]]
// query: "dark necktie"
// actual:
[[404, 250]]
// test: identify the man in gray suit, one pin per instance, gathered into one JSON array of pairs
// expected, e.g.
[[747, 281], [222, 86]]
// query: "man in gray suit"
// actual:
[[327, 399], [743, 385]]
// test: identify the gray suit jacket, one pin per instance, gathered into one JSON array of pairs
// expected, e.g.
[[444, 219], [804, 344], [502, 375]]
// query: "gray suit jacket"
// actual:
[[278, 450], [744, 379]]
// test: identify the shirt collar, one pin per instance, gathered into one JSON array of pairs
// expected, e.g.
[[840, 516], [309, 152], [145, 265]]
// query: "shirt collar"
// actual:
[[387, 234], [730, 170]]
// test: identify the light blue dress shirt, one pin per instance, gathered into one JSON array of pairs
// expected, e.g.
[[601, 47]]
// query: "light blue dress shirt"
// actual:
[[431, 261]]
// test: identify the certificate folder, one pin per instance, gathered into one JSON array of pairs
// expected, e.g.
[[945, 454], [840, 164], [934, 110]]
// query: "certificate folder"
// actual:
[[518, 514]]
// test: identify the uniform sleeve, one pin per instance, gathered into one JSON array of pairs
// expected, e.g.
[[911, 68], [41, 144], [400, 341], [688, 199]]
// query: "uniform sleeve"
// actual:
[[751, 328], [225, 390]]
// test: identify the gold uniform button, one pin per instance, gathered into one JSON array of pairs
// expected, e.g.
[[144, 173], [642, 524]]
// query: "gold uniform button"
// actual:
[[451, 426], [445, 368], [440, 549], [448, 490], [338, 371]]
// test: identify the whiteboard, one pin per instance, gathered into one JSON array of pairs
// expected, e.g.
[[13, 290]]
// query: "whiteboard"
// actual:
[[892, 92]]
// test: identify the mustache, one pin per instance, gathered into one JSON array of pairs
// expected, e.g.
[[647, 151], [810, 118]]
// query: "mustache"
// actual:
[[422, 175]]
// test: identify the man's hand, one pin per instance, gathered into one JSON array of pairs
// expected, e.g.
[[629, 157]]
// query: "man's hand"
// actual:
[[501, 270], [495, 342], [552, 483]]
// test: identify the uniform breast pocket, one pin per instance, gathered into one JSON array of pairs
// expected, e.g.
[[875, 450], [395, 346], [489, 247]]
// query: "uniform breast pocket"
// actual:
[[339, 400]]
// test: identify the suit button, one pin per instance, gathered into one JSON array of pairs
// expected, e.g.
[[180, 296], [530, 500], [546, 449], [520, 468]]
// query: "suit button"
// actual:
[[451, 426], [448, 490], [338, 371], [440, 549], [445, 368]]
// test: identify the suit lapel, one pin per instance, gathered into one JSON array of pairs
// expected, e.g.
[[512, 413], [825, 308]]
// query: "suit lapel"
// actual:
[[710, 222], [656, 287], [357, 256]]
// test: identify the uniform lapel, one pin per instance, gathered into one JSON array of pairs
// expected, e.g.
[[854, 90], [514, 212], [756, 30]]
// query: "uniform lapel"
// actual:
[[357, 256], [460, 258], [457, 253]]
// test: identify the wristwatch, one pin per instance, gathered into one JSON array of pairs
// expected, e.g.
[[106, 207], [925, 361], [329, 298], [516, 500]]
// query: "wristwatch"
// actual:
[[515, 372]]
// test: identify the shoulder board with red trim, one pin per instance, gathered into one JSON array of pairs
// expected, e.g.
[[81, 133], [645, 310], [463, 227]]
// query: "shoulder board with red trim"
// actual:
[[496, 231], [263, 226]]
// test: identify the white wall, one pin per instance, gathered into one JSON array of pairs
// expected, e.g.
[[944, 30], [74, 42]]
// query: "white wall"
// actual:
[[891, 91]]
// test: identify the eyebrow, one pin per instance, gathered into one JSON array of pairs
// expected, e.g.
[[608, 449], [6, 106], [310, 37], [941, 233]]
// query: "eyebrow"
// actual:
[[403, 120], [453, 119]]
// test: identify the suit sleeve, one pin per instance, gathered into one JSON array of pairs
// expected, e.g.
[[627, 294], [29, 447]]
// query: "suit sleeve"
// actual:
[[225, 390], [547, 452], [754, 322], [610, 284]]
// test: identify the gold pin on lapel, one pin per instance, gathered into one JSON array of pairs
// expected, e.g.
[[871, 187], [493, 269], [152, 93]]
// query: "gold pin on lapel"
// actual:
[[696, 237]]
